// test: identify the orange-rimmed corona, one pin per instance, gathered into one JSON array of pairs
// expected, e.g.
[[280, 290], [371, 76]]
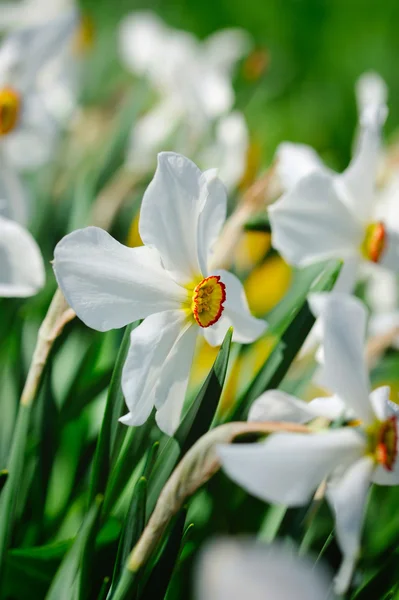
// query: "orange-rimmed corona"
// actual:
[[207, 301], [386, 448], [10, 108], [374, 242]]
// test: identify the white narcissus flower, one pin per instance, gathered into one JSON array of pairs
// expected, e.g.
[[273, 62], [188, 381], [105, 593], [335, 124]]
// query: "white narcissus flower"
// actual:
[[287, 468], [192, 79], [21, 263], [229, 149], [329, 215], [234, 569], [166, 282], [27, 129]]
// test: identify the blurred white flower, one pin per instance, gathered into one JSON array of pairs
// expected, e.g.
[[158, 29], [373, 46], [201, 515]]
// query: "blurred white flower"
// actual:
[[229, 149], [192, 79], [234, 569], [166, 282], [287, 468], [29, 13], [328, 215], [21, 263], [27, 128]]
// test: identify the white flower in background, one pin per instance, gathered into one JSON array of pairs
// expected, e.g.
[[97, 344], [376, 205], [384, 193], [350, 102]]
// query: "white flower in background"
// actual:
[[30, 13], [191, 78], [21, 263], [27, 128], [229, 149], [329, 215], [166, 282], [287, 468], [234, 569]]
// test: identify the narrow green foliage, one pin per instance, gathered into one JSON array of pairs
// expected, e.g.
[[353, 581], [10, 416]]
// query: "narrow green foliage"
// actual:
[[71, 580], [132, 527], [9, 495], [113, 410], [195, 422], [259, 222], [161, 570], [3, 478], [199, 416]]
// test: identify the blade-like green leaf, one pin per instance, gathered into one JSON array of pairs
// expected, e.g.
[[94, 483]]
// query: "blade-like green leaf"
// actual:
[[199, 416], [132, 528], [160, 572], [69, 582], [195, 423], [113, 410], [3, 478], [9, 494]]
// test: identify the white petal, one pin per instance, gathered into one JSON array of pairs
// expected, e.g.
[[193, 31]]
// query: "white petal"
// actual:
[[152, 344], [296, 161], [288, 467], [226, 47], [150, 134], [385, 323], [381, 292], [236, 314], [330, 407], [21, 264], [173, 381], [379, 399], [371, 96], [14, 195], [345, 371], [348, 275], [109, 285], [359, 179], [141, 40], [170, 213], [310, 223], [213, 213], [231, 569], [347, 498], [275, 405], [390, 256]]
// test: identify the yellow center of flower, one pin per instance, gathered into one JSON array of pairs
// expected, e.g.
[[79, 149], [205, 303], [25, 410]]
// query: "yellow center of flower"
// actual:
[[207, 301], [10, 108], [374, 242], [383, 440]]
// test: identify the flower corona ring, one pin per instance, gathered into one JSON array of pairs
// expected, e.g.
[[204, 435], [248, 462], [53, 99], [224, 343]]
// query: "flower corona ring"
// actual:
[[374, 242], [207, 302], [386, 449], [10, 109]]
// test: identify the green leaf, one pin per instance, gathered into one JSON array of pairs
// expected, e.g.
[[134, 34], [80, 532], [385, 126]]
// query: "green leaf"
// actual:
[[199, 416], [259, 222], [161, 570], [113, 410], [132, 528], [70, 580], [8, 498], [3, 478], [195, 423]]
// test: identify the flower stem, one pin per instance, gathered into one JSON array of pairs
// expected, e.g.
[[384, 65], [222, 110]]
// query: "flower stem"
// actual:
[[199, 464]]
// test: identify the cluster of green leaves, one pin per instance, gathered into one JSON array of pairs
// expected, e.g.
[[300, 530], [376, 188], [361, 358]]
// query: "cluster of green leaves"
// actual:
[[88, 484]]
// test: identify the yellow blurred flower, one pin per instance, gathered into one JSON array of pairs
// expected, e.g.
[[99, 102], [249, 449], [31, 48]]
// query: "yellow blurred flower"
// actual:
[[251, 249], [267, 284]]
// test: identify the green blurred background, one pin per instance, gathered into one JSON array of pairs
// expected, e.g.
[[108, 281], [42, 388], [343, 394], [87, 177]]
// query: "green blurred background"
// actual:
[[316, 51]]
